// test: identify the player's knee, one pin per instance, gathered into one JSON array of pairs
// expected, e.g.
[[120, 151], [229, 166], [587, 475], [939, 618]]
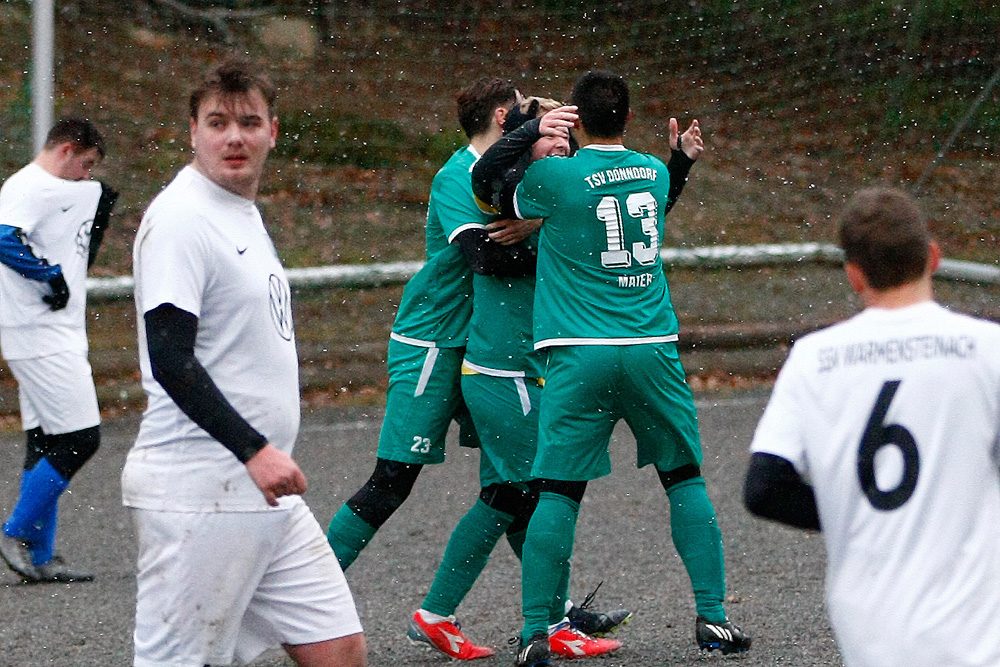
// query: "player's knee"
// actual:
[[34, 448], [523, 516], [68, 452], [571, 489], [504, 498], [385, 491], [349, 651], [672, 478]]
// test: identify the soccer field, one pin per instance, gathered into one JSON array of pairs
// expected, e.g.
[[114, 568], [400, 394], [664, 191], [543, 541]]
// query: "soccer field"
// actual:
[[775, 575]]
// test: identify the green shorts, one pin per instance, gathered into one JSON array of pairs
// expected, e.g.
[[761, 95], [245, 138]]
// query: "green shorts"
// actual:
[[588, 388], [424, 396], [505, 413]]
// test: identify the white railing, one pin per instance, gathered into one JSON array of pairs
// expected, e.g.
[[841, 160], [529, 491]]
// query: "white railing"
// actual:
[[711, 257]]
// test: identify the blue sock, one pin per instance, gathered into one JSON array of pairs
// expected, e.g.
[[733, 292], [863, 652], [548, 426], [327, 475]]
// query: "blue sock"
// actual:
[[34, 516]]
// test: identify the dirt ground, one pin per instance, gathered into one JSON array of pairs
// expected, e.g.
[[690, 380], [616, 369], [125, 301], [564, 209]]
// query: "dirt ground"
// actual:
[[774, 574]]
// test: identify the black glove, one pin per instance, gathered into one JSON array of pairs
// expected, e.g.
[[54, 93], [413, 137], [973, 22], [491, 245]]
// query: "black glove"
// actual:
[[60, 293]]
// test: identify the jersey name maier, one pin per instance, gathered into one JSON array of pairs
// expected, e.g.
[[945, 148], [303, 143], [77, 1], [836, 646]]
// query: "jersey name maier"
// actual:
[[620, 174], [641, 280], [896, 351]]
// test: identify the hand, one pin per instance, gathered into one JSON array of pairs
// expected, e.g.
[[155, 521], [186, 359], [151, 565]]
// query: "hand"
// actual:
[[558, 122], [690, 142], [60, 293], [275, 474], [509, 232]]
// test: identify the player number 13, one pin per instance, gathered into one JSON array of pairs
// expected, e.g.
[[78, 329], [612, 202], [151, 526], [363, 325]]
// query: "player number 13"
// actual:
[[641, 206], [877, 435]]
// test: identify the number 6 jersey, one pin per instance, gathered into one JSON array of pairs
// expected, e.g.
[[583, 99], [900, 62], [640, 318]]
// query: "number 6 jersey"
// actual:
[[600, 278], [893, 417]]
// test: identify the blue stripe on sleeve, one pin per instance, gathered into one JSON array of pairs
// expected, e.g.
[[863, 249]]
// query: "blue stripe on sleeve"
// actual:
[[16, 254]]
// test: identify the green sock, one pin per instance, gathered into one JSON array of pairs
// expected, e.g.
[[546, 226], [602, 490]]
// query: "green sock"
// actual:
[[557, 612], [348, 534], [547, 552], [698, 540], [468, 550], [516, 542], [558, 609]]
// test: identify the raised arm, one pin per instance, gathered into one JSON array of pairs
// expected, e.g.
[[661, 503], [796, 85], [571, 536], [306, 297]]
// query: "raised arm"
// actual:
[[685, 149], [499, 170], [102, 219]]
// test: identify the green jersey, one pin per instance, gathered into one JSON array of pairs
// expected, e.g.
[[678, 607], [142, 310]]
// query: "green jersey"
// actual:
[[452, 207], [437, 301], [600, 279], [500, 329]]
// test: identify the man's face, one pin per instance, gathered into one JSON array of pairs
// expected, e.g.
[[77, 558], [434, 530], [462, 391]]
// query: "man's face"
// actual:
[[548, 146], [231, 138], [76, 164]]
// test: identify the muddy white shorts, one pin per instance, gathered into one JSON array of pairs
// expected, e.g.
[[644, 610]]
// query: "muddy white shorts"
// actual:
[[219, 586], [56, 392]]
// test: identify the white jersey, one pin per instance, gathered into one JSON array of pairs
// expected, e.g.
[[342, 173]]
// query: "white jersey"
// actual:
[[894, 418], [56, 216], [205, 250]]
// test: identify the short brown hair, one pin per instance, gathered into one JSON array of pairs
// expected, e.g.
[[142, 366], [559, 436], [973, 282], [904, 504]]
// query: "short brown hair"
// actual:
[[79, 131], [233, 77], [477, 102], [883, 231]]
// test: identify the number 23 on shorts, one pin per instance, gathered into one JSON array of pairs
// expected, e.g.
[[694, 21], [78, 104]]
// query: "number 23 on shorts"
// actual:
[[421, 445]]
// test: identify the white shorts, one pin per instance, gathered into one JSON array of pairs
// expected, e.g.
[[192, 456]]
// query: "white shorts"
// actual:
[[219, 586], [56, 392]]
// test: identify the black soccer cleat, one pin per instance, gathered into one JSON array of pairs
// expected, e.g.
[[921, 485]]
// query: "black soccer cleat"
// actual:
[[535, 653], [595, 623], [724, 637]]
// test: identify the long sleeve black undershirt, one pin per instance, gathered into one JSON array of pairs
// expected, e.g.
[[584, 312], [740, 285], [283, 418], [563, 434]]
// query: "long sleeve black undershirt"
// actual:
[[102, 219], [774, 490], [489, 258], [170, 336], [490, 179], [497, 173]]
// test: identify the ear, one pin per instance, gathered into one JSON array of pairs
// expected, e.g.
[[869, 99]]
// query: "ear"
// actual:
[[500, 116], [274, 131], [933, 258], [193, 125], [856, 277], [65, 150]]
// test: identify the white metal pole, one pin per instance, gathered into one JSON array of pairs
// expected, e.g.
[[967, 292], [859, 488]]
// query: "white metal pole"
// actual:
[[43, 34]]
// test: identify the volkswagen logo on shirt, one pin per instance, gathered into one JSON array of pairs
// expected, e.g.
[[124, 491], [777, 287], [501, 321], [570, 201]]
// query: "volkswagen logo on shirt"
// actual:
[[281, 306], [83, 238]]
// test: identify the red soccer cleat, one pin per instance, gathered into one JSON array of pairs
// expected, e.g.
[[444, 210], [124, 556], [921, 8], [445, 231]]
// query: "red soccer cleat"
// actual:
[[568, 642], [445, 636]]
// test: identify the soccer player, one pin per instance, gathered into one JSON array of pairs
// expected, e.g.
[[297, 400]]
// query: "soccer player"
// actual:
[[52, 221], [501, 384], [884, 431], [231, 561], [429, 333], [602, 313]]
